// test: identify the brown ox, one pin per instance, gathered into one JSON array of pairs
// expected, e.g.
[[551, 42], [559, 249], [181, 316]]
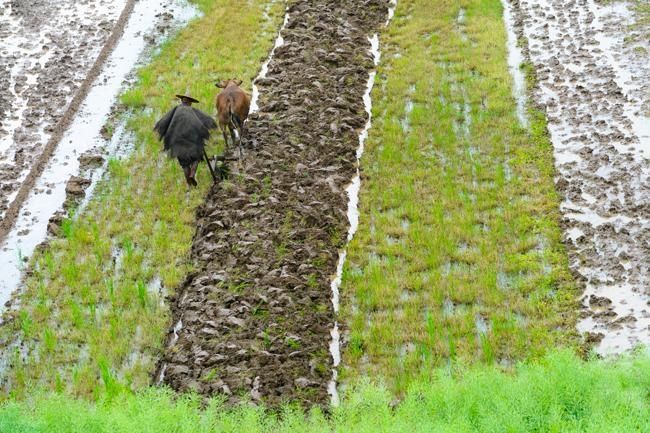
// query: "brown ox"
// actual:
[[233, 105]]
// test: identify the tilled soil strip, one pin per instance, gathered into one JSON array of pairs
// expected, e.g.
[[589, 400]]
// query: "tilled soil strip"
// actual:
[[254, 319], [66, 120]]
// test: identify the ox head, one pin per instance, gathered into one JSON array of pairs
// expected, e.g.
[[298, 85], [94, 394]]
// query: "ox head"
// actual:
[[225, 83]]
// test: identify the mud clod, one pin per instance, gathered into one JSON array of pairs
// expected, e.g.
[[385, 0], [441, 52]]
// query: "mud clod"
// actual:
[[75, 191], [599, 302], [257, 311], [593, 338], [90, 160], [54, 223], [76, 186]]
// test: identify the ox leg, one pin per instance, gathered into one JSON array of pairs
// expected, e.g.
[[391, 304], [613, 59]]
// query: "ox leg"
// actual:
[[236, 141], [225, 138], [224, 131]]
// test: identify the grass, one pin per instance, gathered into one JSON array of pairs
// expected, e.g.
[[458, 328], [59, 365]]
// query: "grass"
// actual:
[[559, 394], [641, 27], [91, 316], [643, 9], [459, 254]]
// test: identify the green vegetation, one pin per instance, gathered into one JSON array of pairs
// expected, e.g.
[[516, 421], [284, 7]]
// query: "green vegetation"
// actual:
[[641, 27], [643, 9], [91, 314], [459, 255], [558, 394]]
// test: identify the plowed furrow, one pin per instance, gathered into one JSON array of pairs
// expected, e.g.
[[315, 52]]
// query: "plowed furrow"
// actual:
[[257, 313]]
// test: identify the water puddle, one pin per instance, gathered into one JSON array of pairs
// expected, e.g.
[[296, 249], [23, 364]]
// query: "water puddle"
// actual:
[[461, 22], [408, 109], [177, 328], [463, 119], [515, 61], [175, 336], [626, 326], [627, 71], [83, 135], [481, 324]]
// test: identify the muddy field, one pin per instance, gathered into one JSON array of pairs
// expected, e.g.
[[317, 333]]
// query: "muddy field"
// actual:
[[47, 48], [593, 84], [255, 318], [72, 144]]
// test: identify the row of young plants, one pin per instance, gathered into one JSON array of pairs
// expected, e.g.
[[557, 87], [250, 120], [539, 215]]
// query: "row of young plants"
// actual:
[[560, 393]]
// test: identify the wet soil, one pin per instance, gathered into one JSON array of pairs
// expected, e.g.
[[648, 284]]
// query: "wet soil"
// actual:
[[46, 52], [254, 319], [595, 87], [79, 145]]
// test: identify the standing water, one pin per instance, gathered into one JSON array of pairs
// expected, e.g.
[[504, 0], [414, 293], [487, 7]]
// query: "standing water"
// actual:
[[515, 61], [593, 80], [83, 135], [279, 41]]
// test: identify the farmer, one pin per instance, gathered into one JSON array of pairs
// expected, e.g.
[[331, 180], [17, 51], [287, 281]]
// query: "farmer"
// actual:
[[184, 130]]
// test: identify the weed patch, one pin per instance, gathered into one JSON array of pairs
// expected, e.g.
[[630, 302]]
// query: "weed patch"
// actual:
[[558, 394]]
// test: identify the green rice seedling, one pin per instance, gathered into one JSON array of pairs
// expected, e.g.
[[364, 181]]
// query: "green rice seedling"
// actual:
[[92, 311], [142, 293], [26, 323], [457, 206], [67, 228], [78, 318], [486, 349], [111, 386], [211, 375], [58, 383], [49, 340], [21, 260]]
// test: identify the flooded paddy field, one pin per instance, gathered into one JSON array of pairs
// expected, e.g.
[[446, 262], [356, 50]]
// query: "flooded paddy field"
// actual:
[[395, 211], [46, 50], [74, 160], [592, 74]]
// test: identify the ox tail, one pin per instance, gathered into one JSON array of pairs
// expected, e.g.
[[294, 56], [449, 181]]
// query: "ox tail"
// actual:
[[235, 121]]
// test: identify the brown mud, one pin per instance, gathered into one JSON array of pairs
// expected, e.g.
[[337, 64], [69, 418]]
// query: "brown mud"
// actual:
[[253, 321], [593, 84], [32, 155], [48, 47]]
